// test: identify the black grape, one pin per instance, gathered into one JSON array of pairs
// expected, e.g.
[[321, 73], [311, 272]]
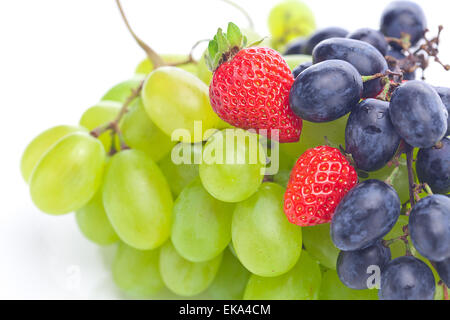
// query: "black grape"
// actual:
[[403, 16], [418, 114], [371, 36], [407, 278], [365, 215], [295, 47], [444, 93], [352, 266], [301, 67], [433, 167], [370, 136], [320, 35], [363, 56], [429, 227], [325, 91]]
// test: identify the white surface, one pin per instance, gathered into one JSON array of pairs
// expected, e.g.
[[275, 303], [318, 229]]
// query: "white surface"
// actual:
[[56, 59]]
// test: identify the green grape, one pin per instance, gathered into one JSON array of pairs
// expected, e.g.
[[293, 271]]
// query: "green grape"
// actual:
[[313, 135], [181, 172], [140, 133], [400, 182], [145, 66], [233, 165], [231, 279], [178, 102], [231, 248], [288, 20], [201, 227], [121, 91], [183, 277], [137, 200], [264, 240], [93, 222], [293, 60], [98, 115], [317, 241], [40, 145], [137, 271], [333, 289], [302, 282], [286, 163], [68, 175], [203, 73]]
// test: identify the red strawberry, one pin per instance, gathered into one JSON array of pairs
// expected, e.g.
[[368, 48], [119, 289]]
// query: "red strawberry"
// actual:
[[319, 180], [250, 87]]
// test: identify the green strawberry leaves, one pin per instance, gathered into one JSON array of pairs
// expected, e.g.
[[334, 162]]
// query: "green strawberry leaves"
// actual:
[[224, 46]]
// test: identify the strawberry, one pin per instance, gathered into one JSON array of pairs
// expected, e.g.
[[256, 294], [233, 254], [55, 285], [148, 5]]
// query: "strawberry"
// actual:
[[250, 86], [319, 180]]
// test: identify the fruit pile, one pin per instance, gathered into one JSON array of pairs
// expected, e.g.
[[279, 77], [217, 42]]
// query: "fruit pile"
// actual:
[[321, 172]]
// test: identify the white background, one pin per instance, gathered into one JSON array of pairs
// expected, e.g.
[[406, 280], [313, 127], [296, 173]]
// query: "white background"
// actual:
[[57, 58]]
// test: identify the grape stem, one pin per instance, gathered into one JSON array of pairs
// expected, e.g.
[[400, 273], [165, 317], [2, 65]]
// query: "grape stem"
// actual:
[[114, 125], [409, 161], [151, 54], [387, 73], [251, 25]]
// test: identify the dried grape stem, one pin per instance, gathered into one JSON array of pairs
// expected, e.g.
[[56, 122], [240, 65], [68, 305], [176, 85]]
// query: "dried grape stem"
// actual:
[[151, 54]]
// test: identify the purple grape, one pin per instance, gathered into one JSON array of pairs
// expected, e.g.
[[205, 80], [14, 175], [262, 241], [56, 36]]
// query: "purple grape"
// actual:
[[325, 91], [365, 215], [369, 135], [429, 227], [371, 36], [295, 47], [352, 266], [418, 114], [323, 34], [444, 93], [301, 67], [403, 17], [433, 167], [363, 56], [407, 278]]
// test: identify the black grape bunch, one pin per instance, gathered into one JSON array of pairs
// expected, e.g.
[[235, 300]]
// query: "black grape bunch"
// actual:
[[397, 125]]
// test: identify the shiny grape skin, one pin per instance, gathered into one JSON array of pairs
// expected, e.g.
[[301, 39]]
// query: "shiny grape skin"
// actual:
[[444, 93], [352, 266], [369, 135], [429, 227], [433, 167], [407, 278], [400, 56], [295, 47], [371, 36], [443, 269], [301, 67], [403, 16], [363, 56], [323, 34], [326, 91], [365, 215], [418, 114]]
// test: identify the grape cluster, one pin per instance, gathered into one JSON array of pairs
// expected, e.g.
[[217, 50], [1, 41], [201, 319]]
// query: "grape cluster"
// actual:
[[173, 166]]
